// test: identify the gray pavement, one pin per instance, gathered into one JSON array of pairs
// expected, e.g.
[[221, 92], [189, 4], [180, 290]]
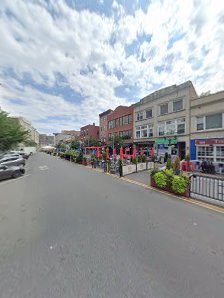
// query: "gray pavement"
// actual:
[[68, 231]]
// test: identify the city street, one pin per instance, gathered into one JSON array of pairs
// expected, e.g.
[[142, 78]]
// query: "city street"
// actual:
[[69, 231]]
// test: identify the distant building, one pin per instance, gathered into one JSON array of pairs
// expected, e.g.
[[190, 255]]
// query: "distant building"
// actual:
[[90, 130], [207, 129], [46, 140], [33, 134], [120, 123], [103, 134], [66, 136]]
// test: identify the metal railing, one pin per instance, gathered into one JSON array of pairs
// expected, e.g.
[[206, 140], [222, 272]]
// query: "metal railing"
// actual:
[[207, 187]]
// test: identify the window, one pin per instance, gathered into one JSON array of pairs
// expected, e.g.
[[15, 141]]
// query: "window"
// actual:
[[116, 122], [178, 105], [205, 153], [121, 122], [137, 133], [148, 114], [150, 130], [170, 127], [112, 124], [164, 109], [220, 154], [161, 129], [125, 120], [144, 131], [213, 121], [139, 116], [200, 123], [181, 126], [130, 119]]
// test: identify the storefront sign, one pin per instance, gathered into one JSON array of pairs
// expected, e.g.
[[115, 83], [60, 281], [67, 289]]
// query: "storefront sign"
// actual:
[[166, 141], [210, 142]]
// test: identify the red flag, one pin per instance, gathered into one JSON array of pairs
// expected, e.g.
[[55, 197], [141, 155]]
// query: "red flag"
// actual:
[[98, 152], [107, 154], [121, 153], [153, 152], [115, 152]]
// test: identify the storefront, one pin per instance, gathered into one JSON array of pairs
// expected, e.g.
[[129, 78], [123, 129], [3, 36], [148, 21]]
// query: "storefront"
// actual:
[[145, 147], [208, 149], [170, 146]]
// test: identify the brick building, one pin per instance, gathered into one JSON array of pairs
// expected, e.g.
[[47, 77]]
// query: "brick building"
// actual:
[[90, 130], [103, 130], [120, 123]]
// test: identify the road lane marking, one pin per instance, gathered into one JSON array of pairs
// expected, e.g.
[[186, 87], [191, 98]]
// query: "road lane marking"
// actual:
[[14, 180], [43, 168]]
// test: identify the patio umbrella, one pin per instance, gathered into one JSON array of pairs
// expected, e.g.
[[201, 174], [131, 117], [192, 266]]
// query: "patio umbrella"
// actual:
[[134, 152], [141, 153], [98, 152], [153, 152], [114, 153], [121, 153], [107, 154]]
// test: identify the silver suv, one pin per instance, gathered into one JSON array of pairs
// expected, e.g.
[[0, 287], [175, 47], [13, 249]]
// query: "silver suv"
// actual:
[[12, 161]]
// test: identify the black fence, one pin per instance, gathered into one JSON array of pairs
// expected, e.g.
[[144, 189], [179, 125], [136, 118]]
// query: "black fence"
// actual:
[[207, 187]]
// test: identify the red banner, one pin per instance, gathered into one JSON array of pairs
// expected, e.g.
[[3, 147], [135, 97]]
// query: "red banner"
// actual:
[[210, 142]]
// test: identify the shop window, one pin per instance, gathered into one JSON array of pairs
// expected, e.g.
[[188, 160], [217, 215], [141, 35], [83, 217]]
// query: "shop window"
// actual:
[[220, 154], [205, 153], [213, 121]]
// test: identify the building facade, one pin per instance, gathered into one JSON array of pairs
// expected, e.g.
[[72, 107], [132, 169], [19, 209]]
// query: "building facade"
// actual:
[[33, 134], [162, 120], [103, 127], [46, 140], [207, 129], [90, 130], [120, 123]]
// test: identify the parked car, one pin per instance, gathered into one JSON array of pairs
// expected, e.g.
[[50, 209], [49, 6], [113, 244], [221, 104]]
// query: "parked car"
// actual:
[[10, 172], [12, 161], [22, 153]]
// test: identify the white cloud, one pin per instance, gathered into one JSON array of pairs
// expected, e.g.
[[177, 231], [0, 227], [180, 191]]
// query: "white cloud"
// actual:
[[87, 49]]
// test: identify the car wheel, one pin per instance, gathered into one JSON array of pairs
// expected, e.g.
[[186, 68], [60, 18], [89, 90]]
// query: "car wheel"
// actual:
[[16, 174]]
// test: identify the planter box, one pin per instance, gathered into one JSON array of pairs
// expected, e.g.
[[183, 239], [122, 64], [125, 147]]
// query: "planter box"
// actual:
[[84, 163], [168, 189]]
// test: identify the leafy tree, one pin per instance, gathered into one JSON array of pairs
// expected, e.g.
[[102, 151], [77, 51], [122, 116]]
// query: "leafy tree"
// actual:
[[30, 143], [75, 144], [91, 141], [117, 141], [11, 132]]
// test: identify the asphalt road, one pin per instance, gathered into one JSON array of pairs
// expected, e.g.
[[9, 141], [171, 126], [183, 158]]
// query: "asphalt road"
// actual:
[[67, 231]]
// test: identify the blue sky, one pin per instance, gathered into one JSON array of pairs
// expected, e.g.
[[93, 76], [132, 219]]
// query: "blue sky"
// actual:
[[63, 62]]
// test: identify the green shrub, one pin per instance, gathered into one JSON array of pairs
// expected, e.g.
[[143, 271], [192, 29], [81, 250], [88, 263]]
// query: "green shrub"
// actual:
[[143, 158], [153, 172], [161, 179], [54, 153], [179, 184], [62, 155], [134, 161], [169, 174], [79, 158], [169, 164], [139, 158]]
